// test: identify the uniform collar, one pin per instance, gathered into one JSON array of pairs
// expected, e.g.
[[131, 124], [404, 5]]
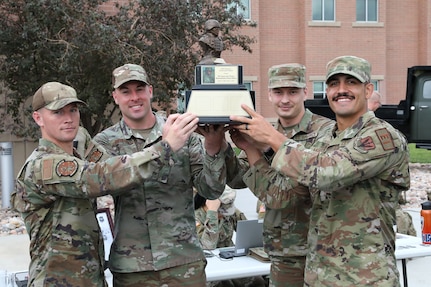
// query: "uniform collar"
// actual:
[[49, 146], [301, 127], [354, 129], [155, 134]]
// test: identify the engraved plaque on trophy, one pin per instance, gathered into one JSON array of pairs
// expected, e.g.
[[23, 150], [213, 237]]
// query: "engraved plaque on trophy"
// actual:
[[218, 93]]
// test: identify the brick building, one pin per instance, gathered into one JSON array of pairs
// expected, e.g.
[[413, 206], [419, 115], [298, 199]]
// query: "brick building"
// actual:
[[392, 35]]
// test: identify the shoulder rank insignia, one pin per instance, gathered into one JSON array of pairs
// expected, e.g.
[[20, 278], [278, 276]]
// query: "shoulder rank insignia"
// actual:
[[385, 139], [66, 168]]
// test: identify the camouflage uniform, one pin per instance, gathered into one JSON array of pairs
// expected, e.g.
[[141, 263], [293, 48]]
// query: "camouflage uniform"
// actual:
[[354, 184], [52, 192], [286, 219], [216, 231], [404, 222], [155, 223], [82, 141]]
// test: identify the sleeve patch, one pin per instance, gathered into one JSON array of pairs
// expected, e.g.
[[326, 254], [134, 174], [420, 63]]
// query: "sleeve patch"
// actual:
[[95, 155], [47, 169], [385, 139], [367, 143], [66, 168]]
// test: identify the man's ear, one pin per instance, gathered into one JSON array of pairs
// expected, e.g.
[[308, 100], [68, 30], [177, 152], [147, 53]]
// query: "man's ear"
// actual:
[[150, 90], [114, 96], [369, 89], [37, 117], [305, 93], [269, 96]]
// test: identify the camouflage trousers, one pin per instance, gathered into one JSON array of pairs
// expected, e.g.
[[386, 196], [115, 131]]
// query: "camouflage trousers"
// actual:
[[287, 271], [187, 275]]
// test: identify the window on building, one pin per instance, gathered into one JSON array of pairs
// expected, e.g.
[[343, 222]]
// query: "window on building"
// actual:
[[366, 10], [319, 89], [248, 85], [323, 10], [242, 9], [376, 84]]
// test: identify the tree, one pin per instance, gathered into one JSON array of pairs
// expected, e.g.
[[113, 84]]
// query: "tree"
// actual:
[[77, 43]]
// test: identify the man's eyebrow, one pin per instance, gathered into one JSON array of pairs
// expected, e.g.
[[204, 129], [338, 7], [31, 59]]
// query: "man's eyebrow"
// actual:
[[351, 77], [338, 76], [332, 78]]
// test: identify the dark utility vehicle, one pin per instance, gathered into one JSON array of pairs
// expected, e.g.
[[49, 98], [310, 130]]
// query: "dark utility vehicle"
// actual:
[[412, 116]]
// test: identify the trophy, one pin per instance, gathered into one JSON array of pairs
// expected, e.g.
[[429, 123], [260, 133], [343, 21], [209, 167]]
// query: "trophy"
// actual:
[[218, 93]]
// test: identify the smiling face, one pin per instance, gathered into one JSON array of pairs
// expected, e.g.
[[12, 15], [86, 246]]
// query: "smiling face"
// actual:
[[288, 103], [59, 126], [347, 97], [134, 100]]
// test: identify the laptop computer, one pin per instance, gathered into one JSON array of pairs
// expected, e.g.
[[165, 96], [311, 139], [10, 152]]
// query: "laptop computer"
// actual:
[[248, 235]]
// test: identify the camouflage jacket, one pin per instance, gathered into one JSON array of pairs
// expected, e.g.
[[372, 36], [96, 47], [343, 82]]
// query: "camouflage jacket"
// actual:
[[52, 192], [355, 186], [155, 223], [287, 214], [215, 232]]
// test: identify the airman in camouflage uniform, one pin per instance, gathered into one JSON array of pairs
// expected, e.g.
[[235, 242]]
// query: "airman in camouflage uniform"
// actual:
[[216, 223], [404, 223], [216, 220], [286, 221], [155, 239], [354, 183], [54, 188]]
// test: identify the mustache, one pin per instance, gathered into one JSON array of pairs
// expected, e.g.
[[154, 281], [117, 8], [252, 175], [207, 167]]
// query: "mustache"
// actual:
[[343, 95]]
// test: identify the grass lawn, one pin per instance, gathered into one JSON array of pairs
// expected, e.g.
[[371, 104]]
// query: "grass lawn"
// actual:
[[419, 155]]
